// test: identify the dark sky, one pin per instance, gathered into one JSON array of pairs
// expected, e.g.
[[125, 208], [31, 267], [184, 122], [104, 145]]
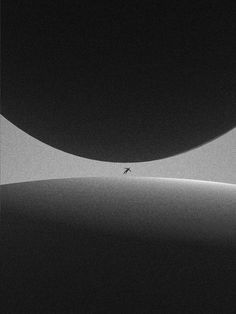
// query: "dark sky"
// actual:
[[116, 81]]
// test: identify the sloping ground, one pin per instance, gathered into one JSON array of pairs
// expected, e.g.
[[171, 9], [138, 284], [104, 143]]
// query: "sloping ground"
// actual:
[[99, 245], [191, 210]]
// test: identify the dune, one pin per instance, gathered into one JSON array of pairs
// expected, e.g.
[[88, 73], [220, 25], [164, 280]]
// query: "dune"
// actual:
[[190, 210], [119, 245]]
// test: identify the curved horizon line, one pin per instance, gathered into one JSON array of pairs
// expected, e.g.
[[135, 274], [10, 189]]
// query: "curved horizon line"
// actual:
[[127, 179]]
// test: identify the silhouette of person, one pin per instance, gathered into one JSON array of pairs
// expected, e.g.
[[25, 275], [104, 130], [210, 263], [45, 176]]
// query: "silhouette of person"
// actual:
[[126, 170]]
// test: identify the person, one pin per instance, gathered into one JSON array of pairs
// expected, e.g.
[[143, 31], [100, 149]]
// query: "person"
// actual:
[[126, 170]]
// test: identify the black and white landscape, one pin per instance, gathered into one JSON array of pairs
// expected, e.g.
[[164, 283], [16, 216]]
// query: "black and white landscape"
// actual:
[[118, 169]]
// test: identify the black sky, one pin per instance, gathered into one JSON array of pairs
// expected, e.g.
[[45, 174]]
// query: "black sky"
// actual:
[[116, 81]]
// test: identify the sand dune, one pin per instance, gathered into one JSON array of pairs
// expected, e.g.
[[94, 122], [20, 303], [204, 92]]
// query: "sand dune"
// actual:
[[119, 245], [191, 210]]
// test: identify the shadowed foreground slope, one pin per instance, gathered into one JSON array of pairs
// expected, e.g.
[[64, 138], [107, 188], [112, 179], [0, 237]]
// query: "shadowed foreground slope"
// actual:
[[99, 245]]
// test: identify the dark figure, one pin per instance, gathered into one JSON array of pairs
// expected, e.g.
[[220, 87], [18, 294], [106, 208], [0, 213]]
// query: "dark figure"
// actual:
[[126, 170]]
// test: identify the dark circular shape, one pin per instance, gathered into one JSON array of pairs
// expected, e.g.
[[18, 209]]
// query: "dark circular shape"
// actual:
[[117, 82]]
